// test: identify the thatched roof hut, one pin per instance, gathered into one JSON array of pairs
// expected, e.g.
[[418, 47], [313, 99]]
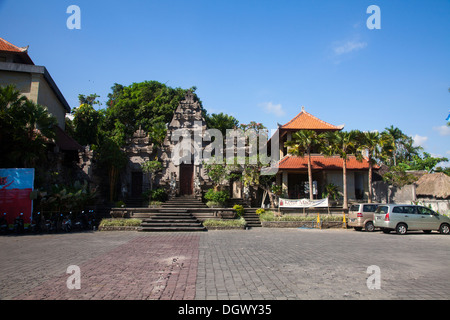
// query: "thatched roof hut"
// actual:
[[435, 185]]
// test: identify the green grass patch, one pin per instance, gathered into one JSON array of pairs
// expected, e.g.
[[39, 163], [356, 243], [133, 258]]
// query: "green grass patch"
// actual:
[[120, 222], [224, 222]]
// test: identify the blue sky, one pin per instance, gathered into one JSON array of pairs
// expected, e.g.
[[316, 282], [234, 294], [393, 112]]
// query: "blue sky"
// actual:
[[256, 60]]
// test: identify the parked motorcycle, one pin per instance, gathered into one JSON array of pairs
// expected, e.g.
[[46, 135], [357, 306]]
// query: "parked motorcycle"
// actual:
[[66, 224], [4, 229], [93, 221], [35, 225], [19, 224], [78, 223], [51, 224]]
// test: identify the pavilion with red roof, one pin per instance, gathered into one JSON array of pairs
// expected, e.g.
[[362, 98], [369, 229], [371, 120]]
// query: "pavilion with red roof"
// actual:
[[293, 170]]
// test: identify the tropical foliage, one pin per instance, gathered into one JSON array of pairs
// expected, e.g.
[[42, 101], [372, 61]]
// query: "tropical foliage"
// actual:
[[220, 197], [391, 148], [148, 105], [25, 130], [302, 144], [221, 122]]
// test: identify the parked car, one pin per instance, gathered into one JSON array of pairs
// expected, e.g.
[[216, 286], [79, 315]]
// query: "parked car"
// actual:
[[360, 216], [404, 217]]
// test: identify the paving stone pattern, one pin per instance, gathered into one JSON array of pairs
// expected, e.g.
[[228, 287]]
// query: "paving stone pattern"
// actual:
[[261, 263]]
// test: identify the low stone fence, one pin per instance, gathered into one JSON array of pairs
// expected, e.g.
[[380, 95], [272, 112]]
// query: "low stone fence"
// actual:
[[118, 228], [225, 228], [303, 224]]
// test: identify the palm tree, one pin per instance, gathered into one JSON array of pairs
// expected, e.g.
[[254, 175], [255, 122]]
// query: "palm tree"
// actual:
[[370, 142], [393, 137], [302, 143], [343, 144], [26, 128], [397, 146]]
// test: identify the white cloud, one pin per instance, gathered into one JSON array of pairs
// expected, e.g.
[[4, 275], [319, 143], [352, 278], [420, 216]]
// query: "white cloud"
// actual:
[[348, 47], [443, 130], [275, 109], [419, 141]]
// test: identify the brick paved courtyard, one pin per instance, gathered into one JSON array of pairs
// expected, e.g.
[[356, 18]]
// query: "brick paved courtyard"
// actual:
[[259, 264]]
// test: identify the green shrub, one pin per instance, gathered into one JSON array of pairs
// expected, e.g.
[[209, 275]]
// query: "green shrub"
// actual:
[[158, 194], [119, 204], [239, 209], [217, 196], [213, 204], [120, 222], [224, 223], [259, 211]]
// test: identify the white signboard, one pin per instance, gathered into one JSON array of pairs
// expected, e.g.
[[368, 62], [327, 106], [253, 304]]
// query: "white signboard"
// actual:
[[303, 203]]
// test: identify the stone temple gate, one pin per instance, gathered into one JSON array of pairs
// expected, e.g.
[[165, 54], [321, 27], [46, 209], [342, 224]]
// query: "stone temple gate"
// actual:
[[183, 172]]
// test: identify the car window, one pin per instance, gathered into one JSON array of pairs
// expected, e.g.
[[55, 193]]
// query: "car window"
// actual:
[[398, 209], [423, 210], [382, 209], [354, 207], [370, 207], [410, 210]]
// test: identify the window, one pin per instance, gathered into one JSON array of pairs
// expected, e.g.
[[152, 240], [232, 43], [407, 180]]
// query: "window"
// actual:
[[423, 210], [410, 210], [354, 207], [405, 209], [382, 209], [370, 207], [398, 210]]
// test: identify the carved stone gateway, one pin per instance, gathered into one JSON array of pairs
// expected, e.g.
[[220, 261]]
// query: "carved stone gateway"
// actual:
[[138, 150], [183, 172]]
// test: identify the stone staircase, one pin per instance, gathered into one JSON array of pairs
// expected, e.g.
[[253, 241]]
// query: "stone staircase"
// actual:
[[183, 202], [174, 220], [174, 215], [252, 219]]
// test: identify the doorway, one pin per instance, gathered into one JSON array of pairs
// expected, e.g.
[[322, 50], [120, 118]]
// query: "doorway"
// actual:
[[236, 191], [186, 179], [136, 183]]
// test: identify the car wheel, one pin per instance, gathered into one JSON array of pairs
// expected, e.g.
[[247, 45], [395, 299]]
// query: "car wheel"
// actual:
[[444, 229], [401, 228], [369, 226]]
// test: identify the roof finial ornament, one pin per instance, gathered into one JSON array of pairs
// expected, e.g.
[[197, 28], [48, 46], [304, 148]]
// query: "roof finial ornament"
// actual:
[[303, 108]]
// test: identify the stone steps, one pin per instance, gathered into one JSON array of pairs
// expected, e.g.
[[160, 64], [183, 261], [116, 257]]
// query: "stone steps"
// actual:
[[171, 221], [252, 219]]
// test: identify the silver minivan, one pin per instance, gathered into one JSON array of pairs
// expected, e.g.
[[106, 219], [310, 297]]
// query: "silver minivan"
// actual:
[[404, 217], [360, 215]]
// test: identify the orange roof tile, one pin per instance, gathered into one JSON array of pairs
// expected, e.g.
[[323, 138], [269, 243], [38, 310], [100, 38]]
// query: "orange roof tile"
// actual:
[[320, 162], [306, 121], [6, 46]]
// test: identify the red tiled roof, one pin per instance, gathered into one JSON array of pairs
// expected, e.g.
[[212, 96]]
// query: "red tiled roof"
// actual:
[[6, 46], [320, 162], [306, 121]]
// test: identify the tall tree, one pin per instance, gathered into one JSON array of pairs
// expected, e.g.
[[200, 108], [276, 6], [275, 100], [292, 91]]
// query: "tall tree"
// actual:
[[26, 129], [369, 142], [302, 143], [343, 144], [397, 146], [221, 121], [86, 120], [142, 105]]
